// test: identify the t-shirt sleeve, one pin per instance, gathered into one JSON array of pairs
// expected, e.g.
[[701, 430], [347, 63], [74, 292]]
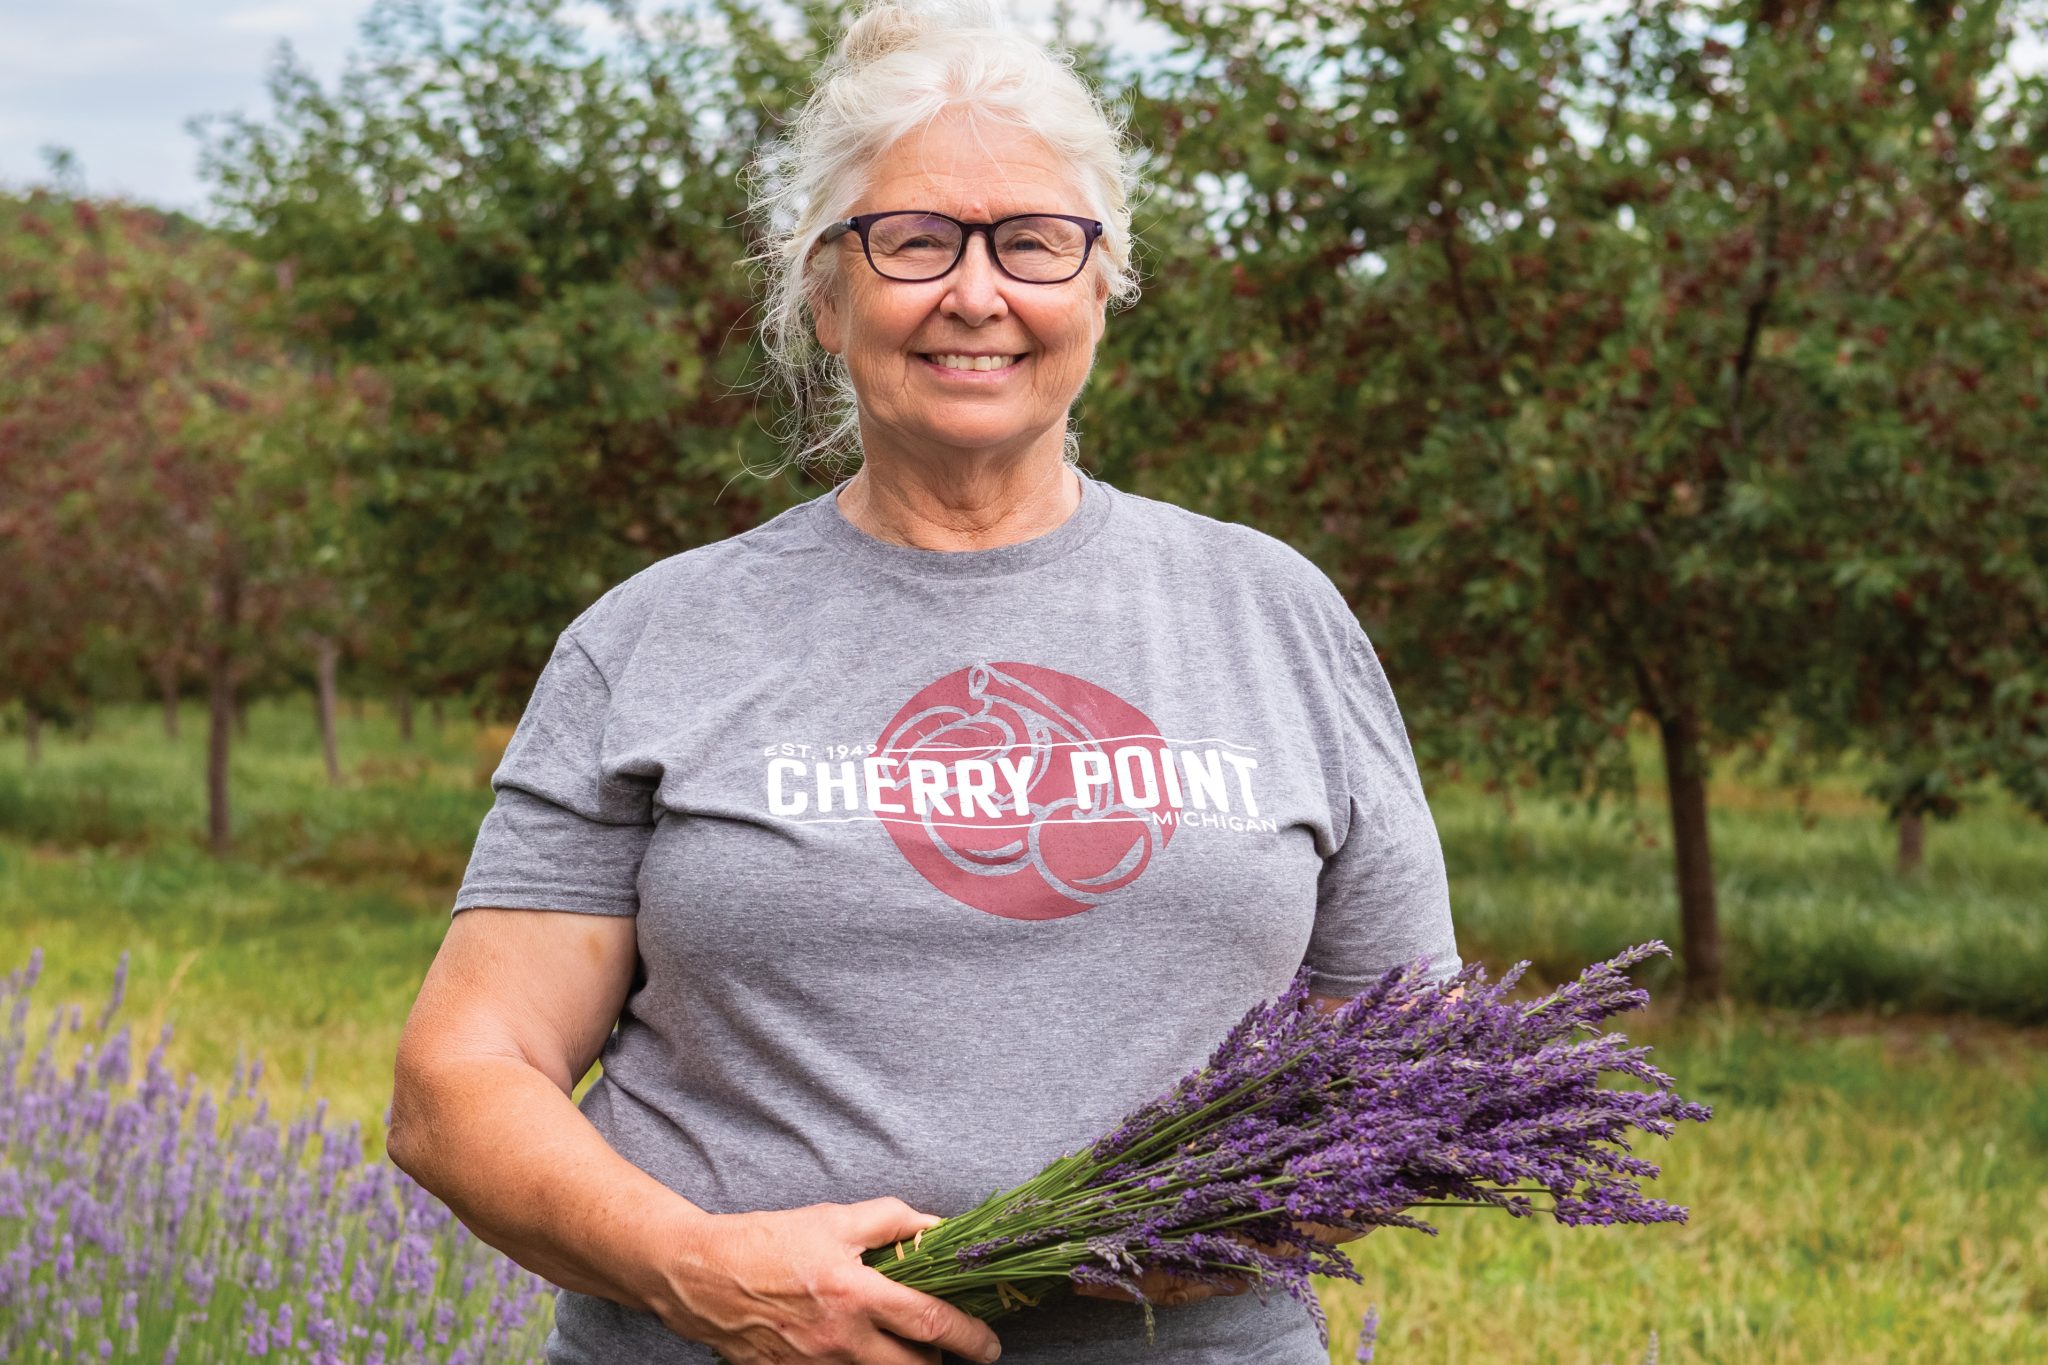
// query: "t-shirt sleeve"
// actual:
[[1382, 898], [562, 833]]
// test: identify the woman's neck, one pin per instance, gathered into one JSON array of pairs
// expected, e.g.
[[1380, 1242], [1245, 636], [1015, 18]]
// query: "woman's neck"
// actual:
[[963, 508]]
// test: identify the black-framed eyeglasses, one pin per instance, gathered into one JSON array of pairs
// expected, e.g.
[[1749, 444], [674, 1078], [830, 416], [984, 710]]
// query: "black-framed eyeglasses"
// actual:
[[912, 245]]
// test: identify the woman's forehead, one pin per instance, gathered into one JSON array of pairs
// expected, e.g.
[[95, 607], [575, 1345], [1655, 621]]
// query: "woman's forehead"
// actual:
[[973, 170]]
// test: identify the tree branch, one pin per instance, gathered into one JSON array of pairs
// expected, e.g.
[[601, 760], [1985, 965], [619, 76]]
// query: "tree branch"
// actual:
[[1759, 306]]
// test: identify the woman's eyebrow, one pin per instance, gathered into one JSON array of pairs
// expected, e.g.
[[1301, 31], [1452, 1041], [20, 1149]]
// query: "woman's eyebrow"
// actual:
[[994, 215]]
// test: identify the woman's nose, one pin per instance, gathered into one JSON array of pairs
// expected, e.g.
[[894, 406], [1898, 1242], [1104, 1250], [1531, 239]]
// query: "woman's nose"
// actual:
[[975, 291]]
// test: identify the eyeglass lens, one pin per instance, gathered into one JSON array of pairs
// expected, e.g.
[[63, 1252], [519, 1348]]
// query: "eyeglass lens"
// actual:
[[914, 246]]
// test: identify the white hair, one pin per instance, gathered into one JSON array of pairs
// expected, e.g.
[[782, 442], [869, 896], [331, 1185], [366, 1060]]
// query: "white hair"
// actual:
[[899, 67]]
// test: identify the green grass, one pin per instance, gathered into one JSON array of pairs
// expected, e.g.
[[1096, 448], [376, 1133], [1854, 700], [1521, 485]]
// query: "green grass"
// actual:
[[307, 945], [1875, 1192], [1873, 1186], [1813, 913]]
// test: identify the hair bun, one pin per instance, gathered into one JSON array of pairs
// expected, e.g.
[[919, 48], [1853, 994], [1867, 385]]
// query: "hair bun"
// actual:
[[879, 31]]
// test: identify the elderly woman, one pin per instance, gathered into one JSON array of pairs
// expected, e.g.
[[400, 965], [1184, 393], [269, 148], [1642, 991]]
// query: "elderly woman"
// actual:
[[896, 846]]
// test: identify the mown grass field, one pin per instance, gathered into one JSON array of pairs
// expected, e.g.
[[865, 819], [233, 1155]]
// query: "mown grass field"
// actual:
[[1873, 1186]]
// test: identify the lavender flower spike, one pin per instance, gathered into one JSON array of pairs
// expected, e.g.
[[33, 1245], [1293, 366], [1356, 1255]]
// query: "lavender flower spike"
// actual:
[[1368, 1334], [1412, 1095]]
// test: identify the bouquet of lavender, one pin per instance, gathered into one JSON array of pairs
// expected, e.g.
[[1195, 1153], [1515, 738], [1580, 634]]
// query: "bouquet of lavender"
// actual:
[[1412, 1095]]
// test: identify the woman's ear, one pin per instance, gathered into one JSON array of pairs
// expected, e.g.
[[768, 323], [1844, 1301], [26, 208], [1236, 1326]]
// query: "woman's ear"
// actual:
[[825, 315]]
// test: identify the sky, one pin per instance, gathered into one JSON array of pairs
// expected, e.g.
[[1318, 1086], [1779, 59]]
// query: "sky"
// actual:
[[115, 81]]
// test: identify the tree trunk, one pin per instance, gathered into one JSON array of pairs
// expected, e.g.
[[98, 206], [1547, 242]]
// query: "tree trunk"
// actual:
[[167, 688], [404, 704], [1699, 922], [326, 654], [1912, 842], [241, 710], [221, 710], [33, 733]]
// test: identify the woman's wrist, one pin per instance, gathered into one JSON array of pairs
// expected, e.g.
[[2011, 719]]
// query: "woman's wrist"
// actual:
[[677, 1241]]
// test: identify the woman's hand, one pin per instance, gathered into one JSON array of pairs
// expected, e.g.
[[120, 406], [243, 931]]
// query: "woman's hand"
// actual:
[[1168, 1288], [1164, 1287], [788, 1285]]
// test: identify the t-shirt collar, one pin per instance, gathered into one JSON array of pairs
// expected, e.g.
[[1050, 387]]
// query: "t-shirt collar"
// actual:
[[1080, 526]]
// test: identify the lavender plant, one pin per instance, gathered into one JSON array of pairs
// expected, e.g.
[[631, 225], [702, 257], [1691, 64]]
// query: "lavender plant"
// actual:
[[1412, 1095], [126, 1231]]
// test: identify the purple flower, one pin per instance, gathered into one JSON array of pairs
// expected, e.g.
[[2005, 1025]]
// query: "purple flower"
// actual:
[[256, 1330], [137, 1206], [1411, 1095]]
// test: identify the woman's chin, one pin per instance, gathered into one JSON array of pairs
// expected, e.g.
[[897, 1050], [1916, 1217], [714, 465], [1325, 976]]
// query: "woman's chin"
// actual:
[[978, 435]]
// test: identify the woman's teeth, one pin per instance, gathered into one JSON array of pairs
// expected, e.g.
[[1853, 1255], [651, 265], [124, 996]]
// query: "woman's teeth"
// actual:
[[974, 362]]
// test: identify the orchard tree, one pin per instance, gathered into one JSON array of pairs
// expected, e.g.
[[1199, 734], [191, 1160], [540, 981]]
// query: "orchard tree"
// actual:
[[536, 243], [81, 403], [1638, 365], [155, 455]]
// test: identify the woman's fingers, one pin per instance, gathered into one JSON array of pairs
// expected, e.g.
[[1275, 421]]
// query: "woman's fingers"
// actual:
[[897, 1351], [924, 1323], [1104, 1291], [1164, 1287]]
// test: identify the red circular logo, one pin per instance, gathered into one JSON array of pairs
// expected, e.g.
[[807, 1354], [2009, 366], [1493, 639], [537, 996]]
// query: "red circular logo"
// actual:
[[1026, 792]]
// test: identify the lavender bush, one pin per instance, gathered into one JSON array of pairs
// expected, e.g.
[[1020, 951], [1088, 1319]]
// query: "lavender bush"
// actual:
[[1407, 1097], [126, 1231]]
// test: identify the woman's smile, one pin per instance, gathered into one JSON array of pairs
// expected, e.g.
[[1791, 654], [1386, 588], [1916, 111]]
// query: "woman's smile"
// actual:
[[959, 368]]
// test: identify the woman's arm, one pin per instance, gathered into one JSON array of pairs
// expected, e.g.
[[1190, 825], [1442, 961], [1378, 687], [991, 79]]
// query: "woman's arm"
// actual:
[[515, 1008]]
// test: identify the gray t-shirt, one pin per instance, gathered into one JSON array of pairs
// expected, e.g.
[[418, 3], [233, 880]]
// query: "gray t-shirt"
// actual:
[[944, 861]]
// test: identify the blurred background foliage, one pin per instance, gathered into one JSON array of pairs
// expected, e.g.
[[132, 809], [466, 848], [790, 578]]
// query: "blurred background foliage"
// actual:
[[1676, 372]]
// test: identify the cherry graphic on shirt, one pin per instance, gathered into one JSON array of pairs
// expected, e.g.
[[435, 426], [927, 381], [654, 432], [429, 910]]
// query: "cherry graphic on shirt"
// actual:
[[1058, 857]]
